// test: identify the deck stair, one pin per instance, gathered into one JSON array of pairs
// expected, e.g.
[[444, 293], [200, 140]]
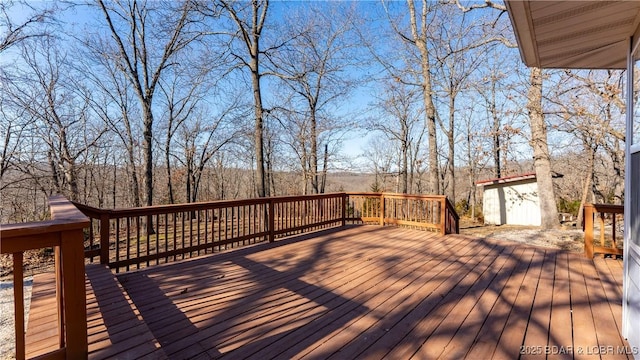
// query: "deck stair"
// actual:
[[115, 327]]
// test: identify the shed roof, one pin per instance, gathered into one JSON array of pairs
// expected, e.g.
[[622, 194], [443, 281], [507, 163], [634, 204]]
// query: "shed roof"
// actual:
[[506, 179], [574, 34]]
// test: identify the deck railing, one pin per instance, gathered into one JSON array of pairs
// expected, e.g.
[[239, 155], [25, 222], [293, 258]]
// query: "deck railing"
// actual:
[[63, 233], [422, 211], [140, 237], [602, 214]]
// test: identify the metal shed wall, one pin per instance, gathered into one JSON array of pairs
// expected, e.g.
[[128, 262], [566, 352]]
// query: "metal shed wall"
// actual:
[[512, 203]]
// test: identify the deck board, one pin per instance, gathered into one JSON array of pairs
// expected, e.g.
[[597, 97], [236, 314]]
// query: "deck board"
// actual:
[[363, 292], [560, 335]]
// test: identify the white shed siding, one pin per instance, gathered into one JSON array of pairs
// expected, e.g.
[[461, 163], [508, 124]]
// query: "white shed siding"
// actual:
[[513, 203]]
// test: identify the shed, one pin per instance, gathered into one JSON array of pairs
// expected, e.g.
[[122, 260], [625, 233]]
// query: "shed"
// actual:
[[511, 200]]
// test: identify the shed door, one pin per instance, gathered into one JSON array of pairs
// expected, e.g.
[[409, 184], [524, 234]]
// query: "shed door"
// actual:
[[631, 302]]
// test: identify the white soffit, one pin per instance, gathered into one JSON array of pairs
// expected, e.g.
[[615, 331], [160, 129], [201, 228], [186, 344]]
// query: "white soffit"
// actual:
[[574, 34]]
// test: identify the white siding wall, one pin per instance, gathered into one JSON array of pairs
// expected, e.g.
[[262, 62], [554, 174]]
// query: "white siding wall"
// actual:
[[514, 203]]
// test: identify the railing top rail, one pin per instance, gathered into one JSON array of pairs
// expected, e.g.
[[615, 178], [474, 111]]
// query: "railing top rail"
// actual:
[[216, 204], [65, 216], [355, 193], [397, 195], [306, 197], [609, 208]]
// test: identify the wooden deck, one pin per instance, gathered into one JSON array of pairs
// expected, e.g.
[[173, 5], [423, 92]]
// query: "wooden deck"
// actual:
[[361, 292]]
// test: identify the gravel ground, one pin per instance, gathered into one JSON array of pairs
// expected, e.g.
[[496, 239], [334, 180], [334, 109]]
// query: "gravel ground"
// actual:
[[7, 336], [567, 237]]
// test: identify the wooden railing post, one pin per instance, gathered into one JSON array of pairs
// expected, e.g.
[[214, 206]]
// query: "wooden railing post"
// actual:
[[18, 304], [104, 238], [443, 215], [588, 230], [382, 210], [74, 298], [614, 243], [344, 210], [602, 215], [272, 221]]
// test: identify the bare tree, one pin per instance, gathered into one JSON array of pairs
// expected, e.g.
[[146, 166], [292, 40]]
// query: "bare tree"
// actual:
[[456, 37], [315, 68], [13, 31], [418, 17], [476, 156], [203, 137], [59, 106], [399, 120], [250, 24], [13, 124], [381, 160], [590, 108], [499, 95], [181, 95], [115, 104], [145, 40]]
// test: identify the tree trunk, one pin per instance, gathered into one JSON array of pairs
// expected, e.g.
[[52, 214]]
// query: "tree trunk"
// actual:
[[541, 159], [115, 177], [167, 155], [323, 181], [420, 40], [404, 169], [497, 161], [135, 187], [258, 136], [450, 175], [314, 152], [434, 170], [587, 183], [147, 149]]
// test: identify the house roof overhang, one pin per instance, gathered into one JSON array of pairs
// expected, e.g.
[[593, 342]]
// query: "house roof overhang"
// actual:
[[574, 34]]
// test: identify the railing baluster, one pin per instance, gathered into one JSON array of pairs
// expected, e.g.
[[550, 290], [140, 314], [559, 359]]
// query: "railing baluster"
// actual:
[[272, 222], [190, 218], [104, 238], [138, 239], [219, 216], [166, 236], [182, 240], [59, 294], [156, 243], [128, 241], [614, 244], [174, 225], [117, 244], [206, 230], [602, 230]]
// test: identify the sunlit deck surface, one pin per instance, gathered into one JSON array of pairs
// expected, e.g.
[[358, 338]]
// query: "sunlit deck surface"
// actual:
[[360, 292]]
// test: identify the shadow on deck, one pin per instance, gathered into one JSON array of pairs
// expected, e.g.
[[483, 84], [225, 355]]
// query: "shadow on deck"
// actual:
[[357, 292]]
